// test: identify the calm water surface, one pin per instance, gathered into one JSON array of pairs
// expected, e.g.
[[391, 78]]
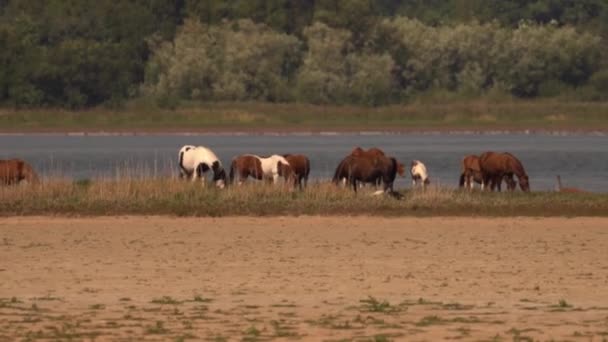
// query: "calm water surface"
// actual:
[[581, 160]]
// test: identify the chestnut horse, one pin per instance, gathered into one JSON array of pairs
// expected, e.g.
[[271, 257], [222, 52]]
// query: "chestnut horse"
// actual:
[[496, 166], [470, 171], [368, 170], [13, 171], [269, 168], [341, 172], [301, 168]]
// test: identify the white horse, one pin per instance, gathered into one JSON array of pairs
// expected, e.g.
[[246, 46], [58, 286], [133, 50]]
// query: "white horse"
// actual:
[[419, 173], [195, 161], [269, 168]]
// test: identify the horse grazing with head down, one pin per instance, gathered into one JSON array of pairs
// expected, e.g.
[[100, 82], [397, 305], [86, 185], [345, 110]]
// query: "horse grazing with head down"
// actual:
[[471, 172], [13, 171], [498, 166], [368, 170], [341, 173], [195, 161], [260, 168], [300, 165]]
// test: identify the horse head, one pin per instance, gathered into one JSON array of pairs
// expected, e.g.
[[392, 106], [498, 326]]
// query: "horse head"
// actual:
[[219, 175], [524, 182], [401, 169], [357, 151]]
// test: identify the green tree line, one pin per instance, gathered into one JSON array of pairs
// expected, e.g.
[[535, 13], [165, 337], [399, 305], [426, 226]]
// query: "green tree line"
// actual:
[[80, 53]]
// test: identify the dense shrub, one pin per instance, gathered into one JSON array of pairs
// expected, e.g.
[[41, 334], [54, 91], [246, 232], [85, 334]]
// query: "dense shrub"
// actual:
[[235, 61]]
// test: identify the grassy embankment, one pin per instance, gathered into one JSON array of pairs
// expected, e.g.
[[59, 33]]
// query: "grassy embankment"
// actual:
[[173, 197], [425, 115]]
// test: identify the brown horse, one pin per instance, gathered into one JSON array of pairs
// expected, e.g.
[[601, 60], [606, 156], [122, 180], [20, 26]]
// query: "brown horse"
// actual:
[[341, 172], [301, 168], [372, 152], [13, 171], [470, 171], [269, 168], [368, 170], [496, 166]]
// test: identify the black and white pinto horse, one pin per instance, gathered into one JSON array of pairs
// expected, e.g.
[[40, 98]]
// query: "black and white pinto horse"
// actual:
[[196, 161]]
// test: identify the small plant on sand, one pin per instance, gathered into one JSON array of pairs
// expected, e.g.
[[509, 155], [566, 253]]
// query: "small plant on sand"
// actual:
[[201, 299], [251, 334], [563, 304], [165, 300], [372, 304], [430, 320], [157, 329]]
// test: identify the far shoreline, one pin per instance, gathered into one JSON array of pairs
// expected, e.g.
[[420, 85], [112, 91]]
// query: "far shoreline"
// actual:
[[304, 132]]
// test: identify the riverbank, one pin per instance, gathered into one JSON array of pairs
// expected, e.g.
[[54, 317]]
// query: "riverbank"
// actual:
[[127, 196], [252, 118]]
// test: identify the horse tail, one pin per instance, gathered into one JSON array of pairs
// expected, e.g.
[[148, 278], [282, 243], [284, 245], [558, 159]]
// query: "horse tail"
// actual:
[[181, 163], [461, 181], [339, 171], [232, 168], [394, 168], [306, 170]]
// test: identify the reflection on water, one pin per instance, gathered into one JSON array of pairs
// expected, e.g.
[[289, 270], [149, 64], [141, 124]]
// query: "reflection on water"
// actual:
[[581, 160]]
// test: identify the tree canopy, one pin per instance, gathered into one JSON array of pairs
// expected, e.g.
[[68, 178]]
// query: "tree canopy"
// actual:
[[79, 53]]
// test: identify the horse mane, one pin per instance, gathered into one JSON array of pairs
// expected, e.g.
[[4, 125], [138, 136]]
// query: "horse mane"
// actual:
[[339, 169], [518, 168]]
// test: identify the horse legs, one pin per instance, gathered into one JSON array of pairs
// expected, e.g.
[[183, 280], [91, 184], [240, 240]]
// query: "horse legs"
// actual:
[[486, 183]]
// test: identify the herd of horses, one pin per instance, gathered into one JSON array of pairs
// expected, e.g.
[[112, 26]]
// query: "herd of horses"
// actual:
[[358, 168]]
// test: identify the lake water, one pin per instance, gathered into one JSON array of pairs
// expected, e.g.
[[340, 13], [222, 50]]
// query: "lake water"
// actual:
[[581, 160]]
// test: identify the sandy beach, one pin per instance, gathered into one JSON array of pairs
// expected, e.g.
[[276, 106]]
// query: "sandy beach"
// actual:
[[303, 278]]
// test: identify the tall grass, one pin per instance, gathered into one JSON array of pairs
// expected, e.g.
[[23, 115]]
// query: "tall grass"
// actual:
[[152, 196]]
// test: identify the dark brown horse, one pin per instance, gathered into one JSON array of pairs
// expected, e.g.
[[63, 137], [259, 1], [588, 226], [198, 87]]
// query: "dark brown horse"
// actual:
[[368, 170], [269, 168], [301, 168], [341, 172], [496, 166], [13, 171]]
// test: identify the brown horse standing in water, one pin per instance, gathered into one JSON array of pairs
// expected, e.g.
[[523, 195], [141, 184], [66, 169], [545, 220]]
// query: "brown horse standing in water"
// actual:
[[13, 171], [301, 168], [496, 166]]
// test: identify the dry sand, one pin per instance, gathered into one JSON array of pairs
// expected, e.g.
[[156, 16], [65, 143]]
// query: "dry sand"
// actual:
[[306, 278]]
